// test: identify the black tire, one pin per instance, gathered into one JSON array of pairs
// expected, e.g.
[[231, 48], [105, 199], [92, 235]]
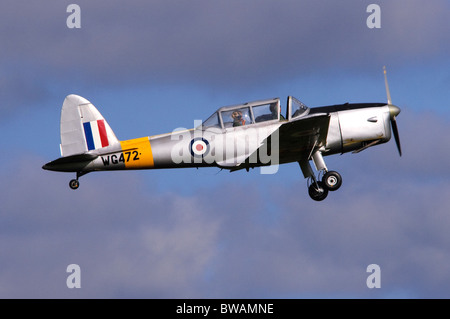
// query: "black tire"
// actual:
[[74, 184], [332, 180], [318, 194]]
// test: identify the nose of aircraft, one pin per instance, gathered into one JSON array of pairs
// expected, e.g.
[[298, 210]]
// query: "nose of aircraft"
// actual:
[[394, 110]]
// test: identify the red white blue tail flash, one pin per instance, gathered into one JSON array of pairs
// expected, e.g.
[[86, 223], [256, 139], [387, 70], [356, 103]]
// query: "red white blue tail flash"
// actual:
[[95, 134]]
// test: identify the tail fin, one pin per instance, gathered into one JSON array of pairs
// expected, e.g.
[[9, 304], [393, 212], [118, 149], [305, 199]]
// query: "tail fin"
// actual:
[[83, 128]]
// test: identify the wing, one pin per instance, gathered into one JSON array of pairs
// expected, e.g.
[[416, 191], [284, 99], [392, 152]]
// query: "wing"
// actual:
[[295, 141], [298, 139]]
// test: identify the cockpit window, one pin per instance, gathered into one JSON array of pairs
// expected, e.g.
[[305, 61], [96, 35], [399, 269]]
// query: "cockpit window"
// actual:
[[244, 114], [212, 121], [237, 117], [298, 108], [266, 112]]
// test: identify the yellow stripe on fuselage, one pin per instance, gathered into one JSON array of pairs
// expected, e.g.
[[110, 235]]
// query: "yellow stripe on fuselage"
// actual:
[[137, 153]]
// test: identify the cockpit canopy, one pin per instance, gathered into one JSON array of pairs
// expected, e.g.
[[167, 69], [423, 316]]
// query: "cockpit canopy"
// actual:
[[296, 108], [254, 112]]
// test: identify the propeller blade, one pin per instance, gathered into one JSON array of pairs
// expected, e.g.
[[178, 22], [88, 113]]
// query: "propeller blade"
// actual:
[[396, 136], [394, 111], [388, 93]]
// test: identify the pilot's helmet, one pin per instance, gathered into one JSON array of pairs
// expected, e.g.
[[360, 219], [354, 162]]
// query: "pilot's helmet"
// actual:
[[236, 114], [274, 108]]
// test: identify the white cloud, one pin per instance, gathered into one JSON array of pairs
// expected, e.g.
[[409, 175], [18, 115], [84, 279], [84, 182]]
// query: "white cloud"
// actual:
[[125, 240], [255, 237], [230, 44]]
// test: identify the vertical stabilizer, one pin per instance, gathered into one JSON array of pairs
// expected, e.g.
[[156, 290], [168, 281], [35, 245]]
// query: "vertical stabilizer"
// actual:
[[83, 128]]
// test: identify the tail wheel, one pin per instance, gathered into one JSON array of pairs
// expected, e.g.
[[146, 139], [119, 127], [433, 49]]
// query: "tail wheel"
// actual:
[[318, 191], [332, 180], [74, 184]]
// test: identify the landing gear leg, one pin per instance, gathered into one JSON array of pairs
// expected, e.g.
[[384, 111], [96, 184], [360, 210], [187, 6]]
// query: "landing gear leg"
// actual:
[[318, 187], [331, 180], [317, 191]]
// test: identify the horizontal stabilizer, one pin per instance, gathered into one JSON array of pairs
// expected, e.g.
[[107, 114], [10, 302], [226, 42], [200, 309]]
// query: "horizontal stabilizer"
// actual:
[[72, 163], [74, 159]]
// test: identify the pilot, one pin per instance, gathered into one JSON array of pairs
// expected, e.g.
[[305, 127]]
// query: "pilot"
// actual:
[[274, 109], [237, 118]]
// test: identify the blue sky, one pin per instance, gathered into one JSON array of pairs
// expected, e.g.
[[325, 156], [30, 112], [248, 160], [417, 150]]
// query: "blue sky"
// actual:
[[151, 67]]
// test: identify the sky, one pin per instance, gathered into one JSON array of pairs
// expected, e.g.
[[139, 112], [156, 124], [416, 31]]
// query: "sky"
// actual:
[[153, 66]]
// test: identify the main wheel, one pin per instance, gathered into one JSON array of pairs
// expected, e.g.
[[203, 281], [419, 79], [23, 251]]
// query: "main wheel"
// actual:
[[74, 184], [332, 180], [318, 191]]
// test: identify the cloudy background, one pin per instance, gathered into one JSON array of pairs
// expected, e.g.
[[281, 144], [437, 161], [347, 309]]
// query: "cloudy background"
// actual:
[[153, 66]]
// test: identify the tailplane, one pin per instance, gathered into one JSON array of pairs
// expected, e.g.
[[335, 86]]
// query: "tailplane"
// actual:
[[83, 128]]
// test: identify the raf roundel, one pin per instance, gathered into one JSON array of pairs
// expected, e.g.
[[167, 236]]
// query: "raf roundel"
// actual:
[[199, 147]]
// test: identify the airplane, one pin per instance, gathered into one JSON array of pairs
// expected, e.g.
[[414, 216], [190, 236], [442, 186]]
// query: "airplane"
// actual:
[[242, 136]]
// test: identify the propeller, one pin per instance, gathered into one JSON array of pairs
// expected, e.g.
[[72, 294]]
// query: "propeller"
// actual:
[[394, 111]]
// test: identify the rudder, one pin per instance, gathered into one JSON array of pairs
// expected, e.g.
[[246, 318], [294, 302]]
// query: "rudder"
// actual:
[[83, 128]]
